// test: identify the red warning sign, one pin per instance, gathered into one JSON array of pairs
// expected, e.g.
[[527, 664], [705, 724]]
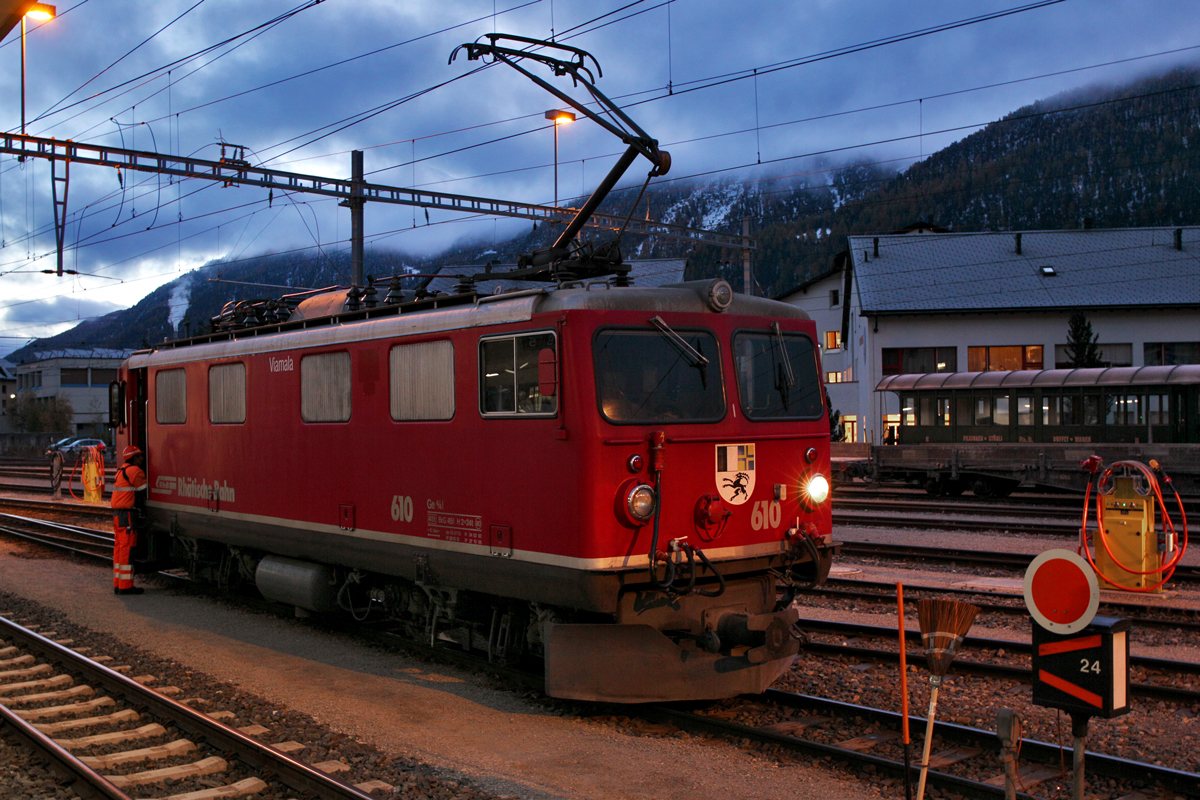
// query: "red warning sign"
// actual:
[[1061, 591]]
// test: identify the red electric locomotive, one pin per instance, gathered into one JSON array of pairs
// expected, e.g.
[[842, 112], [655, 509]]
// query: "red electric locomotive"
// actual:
[[614, 479]]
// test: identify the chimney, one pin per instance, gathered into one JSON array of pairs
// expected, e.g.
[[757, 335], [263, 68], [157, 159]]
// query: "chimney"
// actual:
[[1018, 244], [877, 247], [1179, 238]]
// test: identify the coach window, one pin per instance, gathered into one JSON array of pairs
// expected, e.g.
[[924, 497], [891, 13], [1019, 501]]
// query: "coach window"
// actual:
[[1159, 409], [1000, 414], [928, 411], [1091, 409], [508, 381], [1052, 411], [964, 412], [1024, 410], [983, 411], [170, 396], [421, 380], [944, 412], [227, 393], [325, 387], [908, 411]]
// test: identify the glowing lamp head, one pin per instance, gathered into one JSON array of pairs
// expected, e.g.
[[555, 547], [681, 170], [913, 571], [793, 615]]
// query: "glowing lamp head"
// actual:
[[41, 12], [816, 489], [560, 117]]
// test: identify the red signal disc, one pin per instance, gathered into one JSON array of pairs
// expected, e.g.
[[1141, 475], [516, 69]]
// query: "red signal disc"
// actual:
[[1061, 591]]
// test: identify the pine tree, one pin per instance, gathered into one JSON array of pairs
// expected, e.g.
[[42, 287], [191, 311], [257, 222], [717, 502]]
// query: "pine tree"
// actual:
[[1082, 350]]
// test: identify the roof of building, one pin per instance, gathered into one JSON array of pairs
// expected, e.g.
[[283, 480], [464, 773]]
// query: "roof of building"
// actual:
[[6, 369], [999, 379], [94, 352], [951, 272]]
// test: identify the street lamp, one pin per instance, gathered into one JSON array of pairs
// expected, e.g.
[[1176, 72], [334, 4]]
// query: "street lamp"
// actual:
[[40, 12], [558, 118]]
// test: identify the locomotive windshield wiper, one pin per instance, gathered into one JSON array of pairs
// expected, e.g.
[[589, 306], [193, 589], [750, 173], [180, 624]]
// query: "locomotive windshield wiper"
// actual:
[[695, 357]]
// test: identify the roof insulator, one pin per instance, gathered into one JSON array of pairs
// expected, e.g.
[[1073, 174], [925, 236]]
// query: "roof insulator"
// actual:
[[1047, 271], [1018, 244]]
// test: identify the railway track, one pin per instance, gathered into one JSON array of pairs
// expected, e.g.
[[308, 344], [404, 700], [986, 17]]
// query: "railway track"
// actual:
[[1187, 619], [1006, 560], [50, 694], [971, 745], [971, 750], [1145, 667], [85, 542]]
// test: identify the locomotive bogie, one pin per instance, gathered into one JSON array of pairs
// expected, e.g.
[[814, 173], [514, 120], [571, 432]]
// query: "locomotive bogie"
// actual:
[[551, 459]]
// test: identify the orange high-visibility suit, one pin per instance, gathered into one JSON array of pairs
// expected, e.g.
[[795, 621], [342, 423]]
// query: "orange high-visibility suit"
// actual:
[[129, 481]]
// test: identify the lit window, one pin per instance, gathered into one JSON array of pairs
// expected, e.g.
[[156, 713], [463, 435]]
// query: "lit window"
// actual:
[[833, 340], [833, 377]]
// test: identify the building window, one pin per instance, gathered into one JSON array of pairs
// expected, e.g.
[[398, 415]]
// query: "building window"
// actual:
[[325, 387], [1161, 354], [74, 377], [170, 396], [850, 426], [919, 360], [833, 377], [1111, 355], [103, 377], [1004, 358], [508, 379], [833, 340], [421, 377], [833, 298], [227, 393]]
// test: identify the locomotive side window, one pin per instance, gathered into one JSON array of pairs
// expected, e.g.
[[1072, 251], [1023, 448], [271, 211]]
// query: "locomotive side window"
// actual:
[[508, 379], [170, 396], [645, 375], [421, 377], [227, 393], [777, 376], [325, 387]]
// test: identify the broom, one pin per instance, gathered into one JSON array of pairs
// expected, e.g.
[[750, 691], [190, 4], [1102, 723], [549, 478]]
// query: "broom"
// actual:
[[944, 623]]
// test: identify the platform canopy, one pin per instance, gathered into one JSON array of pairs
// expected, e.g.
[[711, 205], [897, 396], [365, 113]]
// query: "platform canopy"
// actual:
[[1179, 374]]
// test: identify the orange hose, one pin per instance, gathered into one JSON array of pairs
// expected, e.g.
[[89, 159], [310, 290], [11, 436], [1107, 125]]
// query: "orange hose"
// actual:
[[903, 662], [1167, 570]]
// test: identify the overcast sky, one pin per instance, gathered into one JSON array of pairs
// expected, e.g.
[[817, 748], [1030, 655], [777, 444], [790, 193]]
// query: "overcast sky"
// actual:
[[300, 94]]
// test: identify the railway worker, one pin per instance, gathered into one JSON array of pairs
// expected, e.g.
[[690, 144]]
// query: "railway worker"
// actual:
[[130, 480]]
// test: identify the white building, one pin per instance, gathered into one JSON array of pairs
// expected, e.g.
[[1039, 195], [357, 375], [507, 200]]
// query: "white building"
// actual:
[[8, 395], [970, 302], [80, 376]]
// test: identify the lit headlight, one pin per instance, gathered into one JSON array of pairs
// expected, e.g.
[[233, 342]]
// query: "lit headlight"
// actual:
[[640, 502], [816, 489]]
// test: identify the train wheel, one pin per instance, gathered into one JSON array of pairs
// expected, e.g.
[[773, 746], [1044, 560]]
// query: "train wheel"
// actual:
[[934, 487], [955, 488], [1002, 488], [981, 487]]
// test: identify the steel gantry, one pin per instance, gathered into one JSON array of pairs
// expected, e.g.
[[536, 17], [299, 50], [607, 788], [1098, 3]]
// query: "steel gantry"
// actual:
[[354, 192]]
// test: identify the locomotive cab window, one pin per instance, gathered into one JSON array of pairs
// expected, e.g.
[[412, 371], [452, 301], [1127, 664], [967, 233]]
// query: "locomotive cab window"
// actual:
[[227, 393], [777, 376], [325, 387], [170, 396], [652, 376], [509, 382]]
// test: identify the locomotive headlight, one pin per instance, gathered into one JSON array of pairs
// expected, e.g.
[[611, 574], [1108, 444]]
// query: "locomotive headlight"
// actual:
[[640, 502], [720, 295], [816, 489]]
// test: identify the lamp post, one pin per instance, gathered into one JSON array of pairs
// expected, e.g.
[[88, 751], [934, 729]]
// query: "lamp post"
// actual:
[[559, 118], [40, 12]]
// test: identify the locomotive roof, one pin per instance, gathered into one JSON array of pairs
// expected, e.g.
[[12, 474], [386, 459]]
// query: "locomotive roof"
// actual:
[[1110, 376], [389, 322], [952, 272]]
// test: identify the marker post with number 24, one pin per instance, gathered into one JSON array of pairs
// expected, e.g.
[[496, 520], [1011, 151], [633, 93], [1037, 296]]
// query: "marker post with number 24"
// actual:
[[1080, 661]]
